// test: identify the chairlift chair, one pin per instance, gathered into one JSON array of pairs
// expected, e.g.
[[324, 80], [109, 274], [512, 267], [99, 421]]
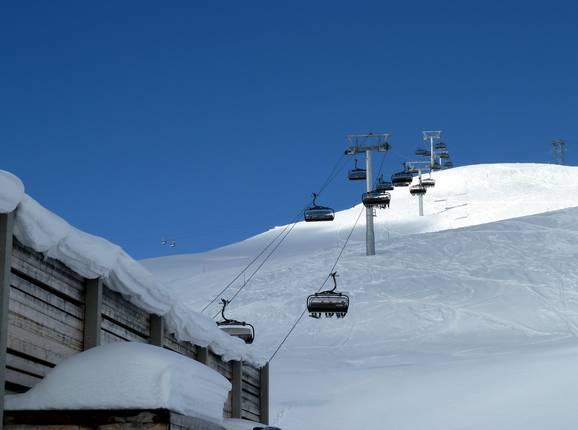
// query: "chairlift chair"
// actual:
[[357, 174], [428, 182], [240, 329], [410, 168], [420, 152], [401, 179], [448, 164], [382, 185], [440, 146], [379, 199], [318, 213], [444, 156], [436, 166], [417, 190], [328, 303]]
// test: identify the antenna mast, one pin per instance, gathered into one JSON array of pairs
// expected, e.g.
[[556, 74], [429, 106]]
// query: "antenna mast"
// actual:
[[559, 151]]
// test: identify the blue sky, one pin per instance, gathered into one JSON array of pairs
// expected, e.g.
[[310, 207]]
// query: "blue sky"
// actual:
[[211, 121]]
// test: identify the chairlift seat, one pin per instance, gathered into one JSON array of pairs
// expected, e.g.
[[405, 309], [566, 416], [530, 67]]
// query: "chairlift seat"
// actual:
[[384, 186], [328, 304], [421, 152], [444, 156], [357, 174], [244, 332], [319, 213], [428, 182], [401, 179], [440, 146], [417, 190], [412, 170], [376, 198]]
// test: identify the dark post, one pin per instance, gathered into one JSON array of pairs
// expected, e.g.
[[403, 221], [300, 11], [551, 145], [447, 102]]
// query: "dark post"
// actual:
[[264, 393], [157, 330], [92, 313], [6, 232], [203, 355], [237, 390]]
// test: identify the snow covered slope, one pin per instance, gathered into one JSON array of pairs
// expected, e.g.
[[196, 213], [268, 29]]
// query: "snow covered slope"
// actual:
[[455, 328]]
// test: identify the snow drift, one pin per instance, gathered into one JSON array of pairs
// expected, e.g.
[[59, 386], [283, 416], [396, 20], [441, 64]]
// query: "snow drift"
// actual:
[[128, 375]]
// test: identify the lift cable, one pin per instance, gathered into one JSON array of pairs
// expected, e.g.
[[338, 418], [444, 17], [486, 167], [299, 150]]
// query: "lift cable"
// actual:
[[320, 288], [293, 222], [334, 171], [381, 164], [259, 267]]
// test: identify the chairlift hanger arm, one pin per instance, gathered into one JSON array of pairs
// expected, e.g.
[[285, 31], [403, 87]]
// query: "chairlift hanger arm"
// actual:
[[357, 149]]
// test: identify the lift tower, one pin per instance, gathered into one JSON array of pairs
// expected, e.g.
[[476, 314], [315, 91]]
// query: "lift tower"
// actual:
[[367, 143], [431, 136]]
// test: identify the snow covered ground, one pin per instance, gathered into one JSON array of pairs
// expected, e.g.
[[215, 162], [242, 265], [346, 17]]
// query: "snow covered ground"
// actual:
[[466, 318]]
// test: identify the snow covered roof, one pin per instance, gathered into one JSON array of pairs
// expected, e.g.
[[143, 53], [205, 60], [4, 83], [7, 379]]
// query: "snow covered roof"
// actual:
[[128, 375], [95, 257]]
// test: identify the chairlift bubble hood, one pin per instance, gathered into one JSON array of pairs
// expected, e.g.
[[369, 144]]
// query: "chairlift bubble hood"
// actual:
[[316, 213], [401, 179], [379, 199], [240, 329], [328, 303], [417, 190], [357, 174], [428, 182], [382, 185]]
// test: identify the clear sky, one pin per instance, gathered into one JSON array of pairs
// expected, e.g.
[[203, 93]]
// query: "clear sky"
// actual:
[[211, 121]]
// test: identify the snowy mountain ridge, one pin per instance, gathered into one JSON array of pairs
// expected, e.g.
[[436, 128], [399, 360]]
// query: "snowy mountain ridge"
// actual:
[[466, 317]]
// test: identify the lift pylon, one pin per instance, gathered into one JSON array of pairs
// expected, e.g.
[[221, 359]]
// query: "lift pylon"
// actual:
[[367, 143]]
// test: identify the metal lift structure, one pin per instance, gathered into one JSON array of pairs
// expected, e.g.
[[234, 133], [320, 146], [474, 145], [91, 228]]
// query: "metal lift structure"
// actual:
[[367, 143]]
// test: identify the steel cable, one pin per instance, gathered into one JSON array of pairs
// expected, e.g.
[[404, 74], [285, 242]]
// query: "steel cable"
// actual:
[[320, 288]]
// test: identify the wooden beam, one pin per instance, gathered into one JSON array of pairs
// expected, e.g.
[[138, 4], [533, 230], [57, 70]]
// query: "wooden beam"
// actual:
[[157, 330], [6, 235], [92, 313], [264, 393], [237, 390]]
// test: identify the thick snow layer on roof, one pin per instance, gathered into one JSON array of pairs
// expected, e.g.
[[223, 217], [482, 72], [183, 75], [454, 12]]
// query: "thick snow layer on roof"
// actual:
[[128, 375], [11, 192], [95, 257]]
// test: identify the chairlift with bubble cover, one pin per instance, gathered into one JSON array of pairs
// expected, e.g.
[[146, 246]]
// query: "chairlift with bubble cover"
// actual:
[[328, 303], [376, 199], [240, 329], [417, 190], [318, 213], [401, 179], [382, 185], [357, 174], [428, 182]]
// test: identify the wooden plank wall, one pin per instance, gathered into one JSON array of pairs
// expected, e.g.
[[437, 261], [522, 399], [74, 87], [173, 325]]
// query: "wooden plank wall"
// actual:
[[46, 325], [250, 396], [45, 317]]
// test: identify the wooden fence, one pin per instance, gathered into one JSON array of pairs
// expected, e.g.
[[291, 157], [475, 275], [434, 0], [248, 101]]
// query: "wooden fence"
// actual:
[[49, 312]]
